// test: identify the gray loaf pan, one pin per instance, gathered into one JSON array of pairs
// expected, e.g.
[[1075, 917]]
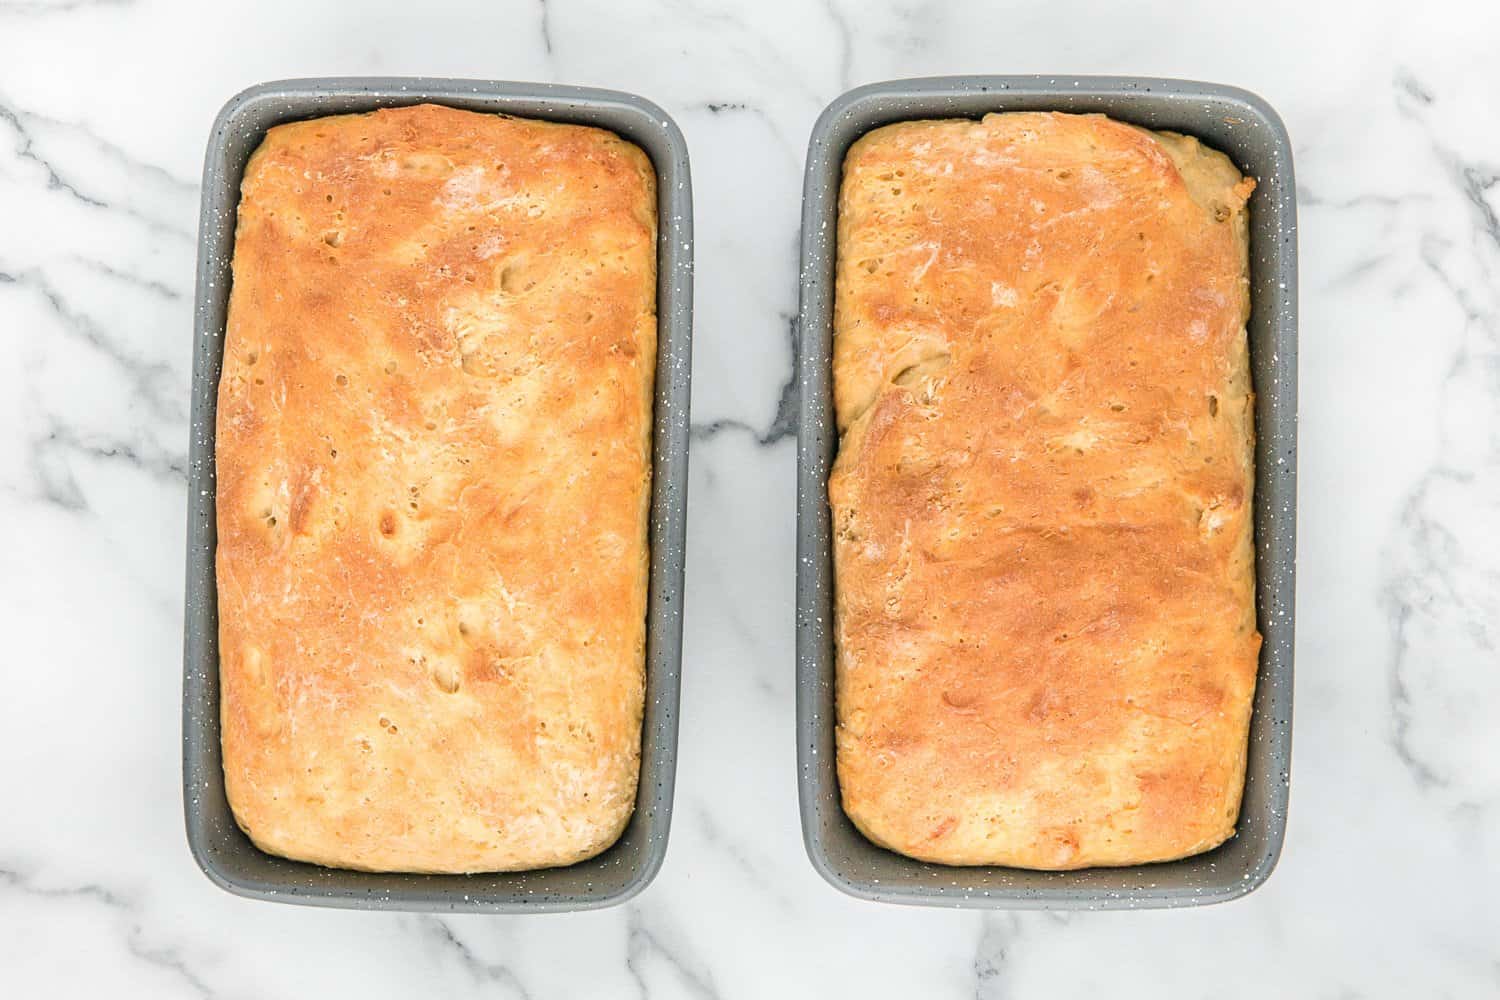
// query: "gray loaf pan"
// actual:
[[1243, 126], [221, 849]]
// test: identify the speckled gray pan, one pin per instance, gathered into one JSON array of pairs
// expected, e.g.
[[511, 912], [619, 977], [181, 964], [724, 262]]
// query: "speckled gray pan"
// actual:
[[220, 848], [1246, 128]]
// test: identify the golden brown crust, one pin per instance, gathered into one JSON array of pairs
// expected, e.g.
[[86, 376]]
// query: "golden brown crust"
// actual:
[[433, 474], [1045, 625]]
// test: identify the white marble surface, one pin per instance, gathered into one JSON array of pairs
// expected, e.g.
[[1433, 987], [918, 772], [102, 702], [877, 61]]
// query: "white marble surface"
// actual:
[[1392, 865]]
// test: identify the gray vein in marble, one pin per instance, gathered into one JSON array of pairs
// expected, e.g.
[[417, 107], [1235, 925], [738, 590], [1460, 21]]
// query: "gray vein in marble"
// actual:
[[115, 152], [35, 7], [1412, 87], [168, 959], [436, 931], [1400, 611], [783, 423], [148, 285], [56, 483], [1476, 183], [1356, 272], [916, 24], [1435, 556], [147, 379], [995, 932], [23, 124], [165, 958], [1307, 198], [49, 472], [25, 149], [754, 640], [546, 24], [767, 55], [846, 42], [641, 945], [715, 836], [793, 153], [1430, 250], [155, 462]]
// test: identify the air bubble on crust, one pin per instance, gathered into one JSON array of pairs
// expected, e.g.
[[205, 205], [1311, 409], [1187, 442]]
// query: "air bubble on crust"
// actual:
[[926, 366], [445, 675], [513, 279]]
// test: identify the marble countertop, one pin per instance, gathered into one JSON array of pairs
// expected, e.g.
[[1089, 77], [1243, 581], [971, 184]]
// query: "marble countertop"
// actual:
[[1389, 880]]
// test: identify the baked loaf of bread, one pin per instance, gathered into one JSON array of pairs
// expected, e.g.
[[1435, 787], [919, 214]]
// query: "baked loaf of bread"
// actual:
[[433, 475], [1045, 622]]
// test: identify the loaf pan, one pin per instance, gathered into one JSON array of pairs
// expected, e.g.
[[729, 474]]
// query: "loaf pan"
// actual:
[[221, 849], [1243, 126]]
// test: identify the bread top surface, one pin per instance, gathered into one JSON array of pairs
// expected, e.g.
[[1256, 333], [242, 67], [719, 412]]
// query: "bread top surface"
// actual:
[[433, 462], [1045, 624]]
